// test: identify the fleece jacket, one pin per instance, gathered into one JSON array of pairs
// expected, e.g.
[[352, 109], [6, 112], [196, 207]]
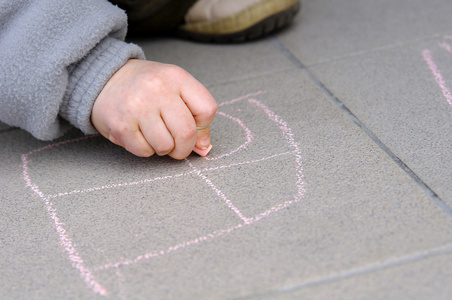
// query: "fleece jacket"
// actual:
[[55, 58]]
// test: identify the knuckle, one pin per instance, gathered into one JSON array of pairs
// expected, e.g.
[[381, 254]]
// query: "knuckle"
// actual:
[[178, 156], [118, 132], [146, 152], [208, 111], [176, 72], [156, 84], [114, 140], [164, 148], [141, 152], [175, 69], [211, 110], [188, 132]]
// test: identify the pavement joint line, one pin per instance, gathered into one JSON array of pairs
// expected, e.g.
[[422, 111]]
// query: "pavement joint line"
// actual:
[[376, 49], [442, 250], [366, 130]]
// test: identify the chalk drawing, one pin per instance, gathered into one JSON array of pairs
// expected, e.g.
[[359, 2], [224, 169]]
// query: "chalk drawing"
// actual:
[[88, 272], [427, 55]]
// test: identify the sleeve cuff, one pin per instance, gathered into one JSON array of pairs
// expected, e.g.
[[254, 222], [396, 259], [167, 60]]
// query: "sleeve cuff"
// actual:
[[88, 77]]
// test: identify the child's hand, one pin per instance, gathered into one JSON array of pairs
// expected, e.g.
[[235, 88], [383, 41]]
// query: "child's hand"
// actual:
[[149, 107]]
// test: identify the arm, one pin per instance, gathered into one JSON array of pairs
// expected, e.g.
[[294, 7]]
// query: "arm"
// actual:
[[55, 58], [66, 61]]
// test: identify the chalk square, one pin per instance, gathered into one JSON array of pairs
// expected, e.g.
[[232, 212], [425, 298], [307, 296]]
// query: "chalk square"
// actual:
[[152, 217], [262, 184]]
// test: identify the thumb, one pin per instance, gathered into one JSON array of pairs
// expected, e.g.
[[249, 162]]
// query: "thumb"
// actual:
[[202, 138]]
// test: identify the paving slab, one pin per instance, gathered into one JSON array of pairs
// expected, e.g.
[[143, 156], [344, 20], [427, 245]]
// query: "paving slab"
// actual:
[[402, 95], [292, 191], [218, 63], [294, 201], [423, 279], [328, 30], [29, 246]]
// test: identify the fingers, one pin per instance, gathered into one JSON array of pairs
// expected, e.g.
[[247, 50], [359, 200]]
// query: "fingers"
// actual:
[[172, 131], [156, 134], [185, 116], [136, 144], [130, 139], [181, 125], [149, 107]]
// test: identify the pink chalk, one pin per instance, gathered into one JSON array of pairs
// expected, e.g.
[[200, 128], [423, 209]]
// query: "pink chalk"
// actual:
[[202, 152]]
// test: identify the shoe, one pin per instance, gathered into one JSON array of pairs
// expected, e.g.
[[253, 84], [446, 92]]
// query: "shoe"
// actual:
[[226, 21], [154, 17]]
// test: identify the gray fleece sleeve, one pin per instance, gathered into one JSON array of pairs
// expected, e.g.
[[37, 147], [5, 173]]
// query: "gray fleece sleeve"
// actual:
[[55, 57]]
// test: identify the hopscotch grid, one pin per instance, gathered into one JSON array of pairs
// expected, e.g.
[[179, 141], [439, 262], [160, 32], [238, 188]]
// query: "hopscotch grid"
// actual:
[[86, 273]]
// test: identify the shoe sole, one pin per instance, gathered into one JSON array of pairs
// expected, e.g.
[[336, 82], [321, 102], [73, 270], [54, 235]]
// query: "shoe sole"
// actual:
[[244, 26]]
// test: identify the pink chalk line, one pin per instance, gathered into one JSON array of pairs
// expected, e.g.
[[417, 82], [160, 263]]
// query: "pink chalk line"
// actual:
[[297, 153], [246, 162], [65, 240], [127, 262], [437, 74], [249, 138], [147, 181], [446, 46], [219, 193], [74, 257], [241, 98], [117, 185]]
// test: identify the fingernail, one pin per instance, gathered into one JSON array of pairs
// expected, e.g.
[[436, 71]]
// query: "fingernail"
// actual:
[[204, 142], [202, 152]]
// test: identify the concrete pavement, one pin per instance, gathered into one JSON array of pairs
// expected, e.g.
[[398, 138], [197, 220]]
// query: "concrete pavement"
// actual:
[[330, 176]]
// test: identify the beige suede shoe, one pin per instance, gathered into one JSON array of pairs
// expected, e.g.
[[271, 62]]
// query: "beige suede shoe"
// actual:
[[224, 21]]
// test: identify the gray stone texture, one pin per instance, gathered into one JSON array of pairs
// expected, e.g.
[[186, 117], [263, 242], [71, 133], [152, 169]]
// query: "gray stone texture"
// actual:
[[329, 177]]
